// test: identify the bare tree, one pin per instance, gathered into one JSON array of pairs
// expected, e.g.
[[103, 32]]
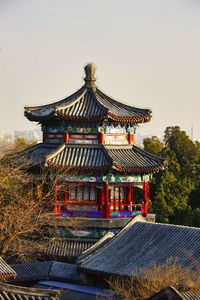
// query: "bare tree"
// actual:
[[26, 213]]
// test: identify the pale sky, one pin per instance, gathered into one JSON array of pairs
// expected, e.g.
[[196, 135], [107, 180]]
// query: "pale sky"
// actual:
[[147, 54]]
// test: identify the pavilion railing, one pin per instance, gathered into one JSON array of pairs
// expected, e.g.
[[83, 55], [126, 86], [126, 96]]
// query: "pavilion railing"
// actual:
[[94, 210], [125, 210]]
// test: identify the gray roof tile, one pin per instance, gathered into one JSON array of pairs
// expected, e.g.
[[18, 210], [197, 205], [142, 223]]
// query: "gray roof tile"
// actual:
[[140, 244], [69, 247], [126, 158], [6, 271], [88, 103], [32, 271], [11, 292]]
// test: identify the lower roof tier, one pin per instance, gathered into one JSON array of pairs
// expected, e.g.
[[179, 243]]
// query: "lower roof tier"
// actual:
[[125, 158]]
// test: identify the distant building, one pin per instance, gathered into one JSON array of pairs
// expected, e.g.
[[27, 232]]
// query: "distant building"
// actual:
[[29, 134]]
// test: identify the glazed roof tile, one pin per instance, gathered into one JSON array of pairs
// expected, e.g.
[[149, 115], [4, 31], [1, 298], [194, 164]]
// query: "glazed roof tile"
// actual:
[[6, 271], [68, 156], [133, 158], [45, 270], [36, 154], [88, 103], [32, 271], [69, 248], [140, 244], [80, 156], [12, 292]]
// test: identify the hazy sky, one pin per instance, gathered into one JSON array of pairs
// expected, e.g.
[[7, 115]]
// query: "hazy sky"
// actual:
[[147, 54]]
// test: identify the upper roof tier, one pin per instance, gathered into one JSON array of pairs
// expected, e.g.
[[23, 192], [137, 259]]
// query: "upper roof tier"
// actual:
[[88, 103]]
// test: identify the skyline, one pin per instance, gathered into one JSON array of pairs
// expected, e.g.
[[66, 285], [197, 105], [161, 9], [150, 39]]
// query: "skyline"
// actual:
[[147, 55]]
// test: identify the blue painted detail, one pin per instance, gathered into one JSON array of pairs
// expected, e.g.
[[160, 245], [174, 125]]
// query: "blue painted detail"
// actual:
[[68, 213], [80, 213], [79, 288], [115, 214], [95, 214], [136, 213], [128, 213]]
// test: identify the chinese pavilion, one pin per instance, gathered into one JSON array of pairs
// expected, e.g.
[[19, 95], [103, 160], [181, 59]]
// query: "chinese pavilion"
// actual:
[[90, 136]]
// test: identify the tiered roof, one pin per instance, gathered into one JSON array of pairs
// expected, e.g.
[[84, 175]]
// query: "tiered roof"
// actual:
[[91, 104], [88, 103], [125, 158]]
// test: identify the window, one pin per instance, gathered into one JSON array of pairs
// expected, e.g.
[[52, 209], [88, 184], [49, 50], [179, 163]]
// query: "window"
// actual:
[[82, 193], [117, 193]]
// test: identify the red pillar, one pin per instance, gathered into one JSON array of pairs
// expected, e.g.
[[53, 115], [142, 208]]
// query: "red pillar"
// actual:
[[148, 185], [106, 202], [101, 199], [66, 197], [130, 200], [56, 209], [130, 139], [102, 138], [66, 138], [145, 200]]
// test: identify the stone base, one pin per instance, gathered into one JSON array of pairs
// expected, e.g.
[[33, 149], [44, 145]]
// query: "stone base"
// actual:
[[96, 223]]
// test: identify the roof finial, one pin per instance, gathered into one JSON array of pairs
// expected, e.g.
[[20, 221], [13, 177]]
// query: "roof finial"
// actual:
[[90, 78]]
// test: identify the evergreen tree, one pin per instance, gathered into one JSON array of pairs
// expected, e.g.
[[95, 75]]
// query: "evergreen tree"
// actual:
[[175, 193]]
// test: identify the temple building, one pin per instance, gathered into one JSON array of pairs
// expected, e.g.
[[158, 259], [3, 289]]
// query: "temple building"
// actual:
[[89, 137]]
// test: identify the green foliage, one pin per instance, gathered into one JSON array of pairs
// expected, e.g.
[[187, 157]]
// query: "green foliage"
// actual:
[[153, 145], [175, 193]]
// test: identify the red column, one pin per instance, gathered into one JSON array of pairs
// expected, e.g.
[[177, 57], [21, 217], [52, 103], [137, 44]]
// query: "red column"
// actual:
[[130, 139], [129, 193], [145, 202], [66, 138], [102, 199], [148, 185], [102, 138], [66, 197], [106, 203], [56, 209]]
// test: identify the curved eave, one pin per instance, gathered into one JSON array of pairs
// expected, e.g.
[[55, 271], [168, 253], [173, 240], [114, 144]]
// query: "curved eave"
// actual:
[[32, 117], [119, 111], [74, 118], [146, 118], [69, 168], [137, 170]]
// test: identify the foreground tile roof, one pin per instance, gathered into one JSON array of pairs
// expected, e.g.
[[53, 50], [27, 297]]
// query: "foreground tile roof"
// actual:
[[12, 292], [69, 248], [172, 294], [140, 244], [32, 271], [5, 270], [45, 270]]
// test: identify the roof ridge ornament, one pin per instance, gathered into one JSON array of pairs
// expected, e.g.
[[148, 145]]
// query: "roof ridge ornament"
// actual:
[[90, 78]]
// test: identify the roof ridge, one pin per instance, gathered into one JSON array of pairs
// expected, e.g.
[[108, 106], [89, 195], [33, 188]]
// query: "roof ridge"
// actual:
[[174, 225], [109, 98], [73, 101], [53, 103]]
